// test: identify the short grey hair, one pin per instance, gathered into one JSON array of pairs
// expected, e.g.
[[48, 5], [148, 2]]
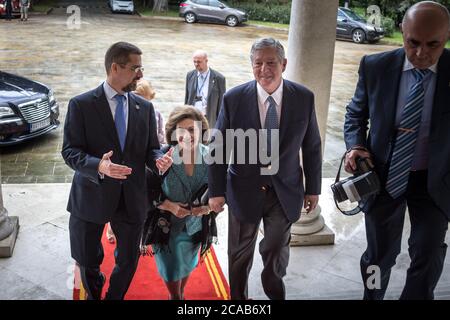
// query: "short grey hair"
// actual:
[[263, 43], [199, 52]]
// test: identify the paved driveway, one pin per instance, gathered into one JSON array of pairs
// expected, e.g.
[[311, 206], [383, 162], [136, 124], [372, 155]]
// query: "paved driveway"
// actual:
[[71, 62]]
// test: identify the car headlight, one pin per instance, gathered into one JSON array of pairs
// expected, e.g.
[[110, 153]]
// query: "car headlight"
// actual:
[[370, 28], [241, 12], [51, 97], [6, 111], [2, 6]]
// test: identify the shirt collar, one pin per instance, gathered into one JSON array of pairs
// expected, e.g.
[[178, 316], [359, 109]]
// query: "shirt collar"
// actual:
[[203, 73], [407, 65], [110, 92], [277, 95]]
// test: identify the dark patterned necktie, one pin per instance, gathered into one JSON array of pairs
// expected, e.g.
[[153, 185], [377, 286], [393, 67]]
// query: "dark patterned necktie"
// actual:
[[271, 122], [405, 141]]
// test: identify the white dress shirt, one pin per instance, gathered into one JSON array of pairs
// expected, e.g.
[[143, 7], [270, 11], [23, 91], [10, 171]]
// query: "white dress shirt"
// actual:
[[263, 104], [202, 90], [110, 94]]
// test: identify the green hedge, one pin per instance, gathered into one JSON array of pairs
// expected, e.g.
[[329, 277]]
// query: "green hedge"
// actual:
[[388, 26], [265, 12]]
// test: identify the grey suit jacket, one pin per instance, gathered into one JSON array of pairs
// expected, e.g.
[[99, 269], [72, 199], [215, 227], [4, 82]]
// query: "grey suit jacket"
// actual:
[[216, 90]]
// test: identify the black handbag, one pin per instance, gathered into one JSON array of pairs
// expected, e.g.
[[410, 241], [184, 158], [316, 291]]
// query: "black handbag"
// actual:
[[208, 234]]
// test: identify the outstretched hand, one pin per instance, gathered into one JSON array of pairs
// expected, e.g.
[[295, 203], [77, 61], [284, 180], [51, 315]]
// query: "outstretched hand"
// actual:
[[165, 162], [112, 170]]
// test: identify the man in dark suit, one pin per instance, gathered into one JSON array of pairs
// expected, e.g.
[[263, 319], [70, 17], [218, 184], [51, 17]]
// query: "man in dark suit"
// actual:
[[9, 8], [204, 88], [109, 138], [405, 95], [270, 188]]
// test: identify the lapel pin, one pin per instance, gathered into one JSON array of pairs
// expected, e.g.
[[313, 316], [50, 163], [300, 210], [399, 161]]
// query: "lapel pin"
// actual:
[[137, 107]]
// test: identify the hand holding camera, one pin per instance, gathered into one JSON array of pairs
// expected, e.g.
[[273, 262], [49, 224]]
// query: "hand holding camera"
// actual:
[[350, 159], [361, 185]]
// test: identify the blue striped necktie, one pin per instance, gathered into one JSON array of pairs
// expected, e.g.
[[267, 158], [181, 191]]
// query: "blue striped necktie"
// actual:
[[120, 120], [405, 141], [271, 122]]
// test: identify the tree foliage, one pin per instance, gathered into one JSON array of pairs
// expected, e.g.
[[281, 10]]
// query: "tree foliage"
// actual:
[[393, 9]]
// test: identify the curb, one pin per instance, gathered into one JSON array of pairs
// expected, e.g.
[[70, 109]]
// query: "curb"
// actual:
[[159, 17]]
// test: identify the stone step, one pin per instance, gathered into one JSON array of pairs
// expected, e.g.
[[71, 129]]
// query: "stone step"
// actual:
[[441, 293]]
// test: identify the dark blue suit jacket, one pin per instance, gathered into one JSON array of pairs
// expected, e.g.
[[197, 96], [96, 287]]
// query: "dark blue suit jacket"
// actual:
[[375, 101], [241, 183], [90, 132]]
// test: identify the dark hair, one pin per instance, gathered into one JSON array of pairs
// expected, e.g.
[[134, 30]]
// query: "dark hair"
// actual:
[[119, 53], [181, 113]]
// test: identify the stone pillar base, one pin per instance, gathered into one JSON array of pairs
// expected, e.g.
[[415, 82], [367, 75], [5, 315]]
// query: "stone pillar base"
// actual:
[[7, 244], [323, 237], [311, 230]]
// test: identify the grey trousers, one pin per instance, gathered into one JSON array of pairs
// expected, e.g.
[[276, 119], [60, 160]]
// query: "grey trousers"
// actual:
[[274, 250]]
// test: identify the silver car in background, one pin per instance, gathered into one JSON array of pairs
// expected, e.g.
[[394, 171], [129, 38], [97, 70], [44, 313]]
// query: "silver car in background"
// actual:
[[211, 11], [121, 6]]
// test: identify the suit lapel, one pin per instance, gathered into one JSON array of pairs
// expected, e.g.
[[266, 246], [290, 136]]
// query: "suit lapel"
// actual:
[[391, 80], [253, 109], [211, 83], [133, 114], [287, 105], [442, 92], [193, 86], [104, 112]]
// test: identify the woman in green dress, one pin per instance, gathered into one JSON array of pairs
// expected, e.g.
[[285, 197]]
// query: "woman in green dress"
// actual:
[[185, 129]]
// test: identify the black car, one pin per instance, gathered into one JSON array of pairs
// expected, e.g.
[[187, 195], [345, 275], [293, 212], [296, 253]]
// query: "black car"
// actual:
[[354, 27], [27, 109]]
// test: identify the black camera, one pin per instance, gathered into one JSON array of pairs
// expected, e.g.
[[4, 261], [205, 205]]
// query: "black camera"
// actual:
[[360, 186]]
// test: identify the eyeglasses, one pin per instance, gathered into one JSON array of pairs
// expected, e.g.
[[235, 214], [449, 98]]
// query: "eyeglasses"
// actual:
[[135, 69]]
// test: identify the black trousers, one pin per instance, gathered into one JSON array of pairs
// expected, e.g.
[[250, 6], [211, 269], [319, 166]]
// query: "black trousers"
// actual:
[[427, 249], [8, 12], [274, 250], [87, 250]]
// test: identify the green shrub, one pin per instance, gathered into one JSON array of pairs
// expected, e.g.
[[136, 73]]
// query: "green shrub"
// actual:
[[388, 26], [265, 12]]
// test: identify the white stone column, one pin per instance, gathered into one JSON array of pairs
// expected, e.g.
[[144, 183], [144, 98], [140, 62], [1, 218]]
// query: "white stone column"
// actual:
[[312, 36], [9, 227]]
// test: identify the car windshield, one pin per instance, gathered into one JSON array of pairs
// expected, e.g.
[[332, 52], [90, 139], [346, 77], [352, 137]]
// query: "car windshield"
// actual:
[[352, 15]]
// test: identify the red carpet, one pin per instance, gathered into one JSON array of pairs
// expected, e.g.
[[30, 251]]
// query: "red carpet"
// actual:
[[207, 281]]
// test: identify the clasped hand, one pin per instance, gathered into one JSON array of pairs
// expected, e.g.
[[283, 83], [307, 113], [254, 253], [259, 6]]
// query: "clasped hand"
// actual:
[[179, 210]]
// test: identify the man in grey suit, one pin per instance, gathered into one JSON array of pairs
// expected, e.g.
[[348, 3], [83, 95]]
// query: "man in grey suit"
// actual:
[[281, 107], [204, 87], [403, 96]]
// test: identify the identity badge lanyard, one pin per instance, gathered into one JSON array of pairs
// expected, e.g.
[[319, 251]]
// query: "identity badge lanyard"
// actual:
[[199, 90]]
